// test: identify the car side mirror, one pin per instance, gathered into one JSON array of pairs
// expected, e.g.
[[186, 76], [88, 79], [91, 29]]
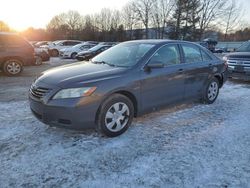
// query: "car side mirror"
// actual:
[[153, 65]]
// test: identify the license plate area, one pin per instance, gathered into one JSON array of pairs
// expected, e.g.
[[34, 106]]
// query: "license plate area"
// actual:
[[239, 68]]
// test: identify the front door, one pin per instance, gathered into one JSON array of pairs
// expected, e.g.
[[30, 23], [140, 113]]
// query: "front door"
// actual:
[[162, 85]]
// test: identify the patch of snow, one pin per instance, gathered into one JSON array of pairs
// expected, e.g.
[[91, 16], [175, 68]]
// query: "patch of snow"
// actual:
[[191, 145]]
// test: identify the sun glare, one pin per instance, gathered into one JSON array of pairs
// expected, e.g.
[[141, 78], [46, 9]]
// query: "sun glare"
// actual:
[[21, 14]]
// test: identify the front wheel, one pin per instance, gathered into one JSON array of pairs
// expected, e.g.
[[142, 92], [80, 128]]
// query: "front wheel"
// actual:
[[73, 55], [211, 91], [12, 67], [54, 53], [115, 115]]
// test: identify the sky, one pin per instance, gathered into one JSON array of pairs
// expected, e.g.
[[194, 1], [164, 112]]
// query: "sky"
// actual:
[[21, 14]]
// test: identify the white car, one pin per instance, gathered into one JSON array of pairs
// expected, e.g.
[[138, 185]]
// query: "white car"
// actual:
[[56, 46], [72, 51]]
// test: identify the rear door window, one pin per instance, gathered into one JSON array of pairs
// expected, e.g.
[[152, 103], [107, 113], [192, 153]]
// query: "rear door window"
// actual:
[[205, 56], [192, 53], [72, 43], [13, 41]]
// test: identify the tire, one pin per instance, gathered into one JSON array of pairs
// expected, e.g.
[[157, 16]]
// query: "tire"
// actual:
[[115, 115], [12, 67], [73, 55], [211, 91], [54, 53]]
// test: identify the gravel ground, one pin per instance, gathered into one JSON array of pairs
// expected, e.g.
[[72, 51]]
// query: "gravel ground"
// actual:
[[190, 145]]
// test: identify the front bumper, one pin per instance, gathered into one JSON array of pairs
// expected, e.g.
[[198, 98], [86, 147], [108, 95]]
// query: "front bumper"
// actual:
[[239, 75], [68, 113], [243, 74]]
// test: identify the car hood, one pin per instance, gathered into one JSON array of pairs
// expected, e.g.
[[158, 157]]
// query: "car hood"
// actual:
[[241, 55], [79, 73]]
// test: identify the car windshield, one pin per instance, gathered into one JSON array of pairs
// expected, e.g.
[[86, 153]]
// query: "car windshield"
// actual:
[[245, 47], [124, 55], [96, 48]]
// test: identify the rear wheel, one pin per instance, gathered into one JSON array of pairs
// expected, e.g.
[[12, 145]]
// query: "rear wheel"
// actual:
[[116, 115], [12, 67], [54, 53], [212, 91]]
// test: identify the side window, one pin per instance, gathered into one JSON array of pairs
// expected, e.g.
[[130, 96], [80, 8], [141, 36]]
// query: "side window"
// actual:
[[168, 55], [13, 41], [205, 56], [66, 43], [192, 53], [83, 47], [72, 43]]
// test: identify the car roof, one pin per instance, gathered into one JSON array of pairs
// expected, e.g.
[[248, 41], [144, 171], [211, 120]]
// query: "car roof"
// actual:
[[159, 41]]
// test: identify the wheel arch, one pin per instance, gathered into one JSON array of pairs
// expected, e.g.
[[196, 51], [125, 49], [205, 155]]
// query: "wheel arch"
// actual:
[[13, 57], [126, 93], [220, 78]]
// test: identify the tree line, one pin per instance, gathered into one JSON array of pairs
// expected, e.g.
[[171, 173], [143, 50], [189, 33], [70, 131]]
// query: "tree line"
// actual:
[[174, 19]]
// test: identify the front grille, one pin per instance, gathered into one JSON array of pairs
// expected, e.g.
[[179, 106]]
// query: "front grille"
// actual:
[[239, 62], [239, 65], [38, 92]]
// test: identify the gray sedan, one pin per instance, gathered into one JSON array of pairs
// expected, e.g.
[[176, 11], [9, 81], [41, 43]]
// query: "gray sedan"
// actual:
[[126, 81]]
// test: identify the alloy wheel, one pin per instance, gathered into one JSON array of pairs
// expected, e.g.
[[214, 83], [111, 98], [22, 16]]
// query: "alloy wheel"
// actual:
[[212, 91], [117, 117], [13, 67]]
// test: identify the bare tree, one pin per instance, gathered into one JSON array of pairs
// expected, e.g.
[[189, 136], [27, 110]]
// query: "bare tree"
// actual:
[[143, 10], [231, 18], [162, 12], [67, 25], [211, 10], [129, 18]]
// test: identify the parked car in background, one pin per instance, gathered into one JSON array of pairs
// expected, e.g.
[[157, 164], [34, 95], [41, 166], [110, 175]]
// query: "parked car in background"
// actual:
[[92, 52], [245, 47], [56, 46], [42, 55], [72, 52], [210, 44], [15, 52], [41, 43], [127, 80], [239, 62]]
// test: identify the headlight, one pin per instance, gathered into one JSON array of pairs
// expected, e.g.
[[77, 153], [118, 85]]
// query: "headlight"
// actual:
[[74, 92], [225, 58]]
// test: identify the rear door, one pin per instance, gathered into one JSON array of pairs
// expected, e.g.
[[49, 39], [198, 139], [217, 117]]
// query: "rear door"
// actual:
[[165, 85], [197, 68]]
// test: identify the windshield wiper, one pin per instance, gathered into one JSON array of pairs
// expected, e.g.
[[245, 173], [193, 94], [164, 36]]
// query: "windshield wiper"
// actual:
[[103, 62]]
